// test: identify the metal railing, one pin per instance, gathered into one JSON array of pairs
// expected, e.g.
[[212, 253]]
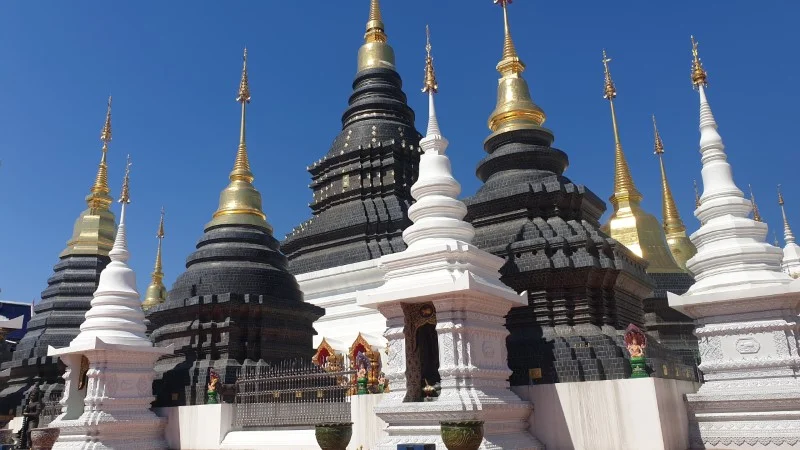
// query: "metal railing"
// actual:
[[293, 393]]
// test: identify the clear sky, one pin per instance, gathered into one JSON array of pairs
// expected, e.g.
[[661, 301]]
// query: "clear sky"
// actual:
[[173, 69]]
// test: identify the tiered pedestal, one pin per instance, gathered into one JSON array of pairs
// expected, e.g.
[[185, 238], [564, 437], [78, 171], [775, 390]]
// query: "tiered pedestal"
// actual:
[[112, 410], [750, 362]]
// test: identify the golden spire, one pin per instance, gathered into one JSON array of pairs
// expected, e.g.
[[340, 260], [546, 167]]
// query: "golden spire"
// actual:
[[672, 220], [375, 53], [756, 214], [699, 75], [624, 188], [515, 109], [240, 202], [696, 195], [99, 197], [156, 293], [430, 75]]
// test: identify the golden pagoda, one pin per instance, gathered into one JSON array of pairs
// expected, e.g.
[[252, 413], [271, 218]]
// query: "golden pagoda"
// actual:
[[95, 229], [679, 244], [156, 293], [630, 224], [240, 202]]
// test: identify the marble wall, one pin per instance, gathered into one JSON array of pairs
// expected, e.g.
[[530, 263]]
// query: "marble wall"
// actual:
[[610, 415]]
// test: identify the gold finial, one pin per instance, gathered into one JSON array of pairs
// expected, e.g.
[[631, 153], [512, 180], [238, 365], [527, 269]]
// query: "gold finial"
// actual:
[[699, 75], [240, 202], [780, 196], [241, 167], [510, 64], [696, 195], [160, 233], [98, 198], [672, 219], [244, 85], [125, 197], [624, 188], [376, 52], [756, 214], [659, 145], [105, 134], [515, 109], [375, 29], [156, 292], [430, 75], [610, 91]]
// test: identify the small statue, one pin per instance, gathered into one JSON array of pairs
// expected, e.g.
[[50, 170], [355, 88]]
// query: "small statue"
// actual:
[[362, 362], [636, 341], [212, 396], [362, 381], [383, 384], [429, 391], [34, 405]]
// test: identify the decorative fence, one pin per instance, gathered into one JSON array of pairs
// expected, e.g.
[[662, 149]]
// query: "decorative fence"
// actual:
[[294, 393]]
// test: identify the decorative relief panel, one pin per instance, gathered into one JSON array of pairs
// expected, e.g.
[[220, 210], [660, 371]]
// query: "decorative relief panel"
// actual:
[[747, 345]]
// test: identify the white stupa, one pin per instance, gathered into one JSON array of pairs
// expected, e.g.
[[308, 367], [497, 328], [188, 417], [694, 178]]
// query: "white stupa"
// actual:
[[791, 251], [443, 282], [746, 311], [109, 376]]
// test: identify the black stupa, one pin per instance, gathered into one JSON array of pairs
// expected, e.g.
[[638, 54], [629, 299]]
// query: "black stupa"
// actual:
[[236, 301], [582, 286], [58, 316], [362, 185]]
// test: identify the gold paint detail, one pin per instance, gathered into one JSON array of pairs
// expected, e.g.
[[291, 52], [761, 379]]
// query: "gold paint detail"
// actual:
[[376, 52], [156, 292], [699, 75], [95, 228], [675, 231], [629, 224], [756, 213], [515, 109], [240, 202], [430, 86]]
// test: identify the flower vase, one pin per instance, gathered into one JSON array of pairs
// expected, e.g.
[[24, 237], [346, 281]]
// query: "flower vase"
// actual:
[[466, 435]]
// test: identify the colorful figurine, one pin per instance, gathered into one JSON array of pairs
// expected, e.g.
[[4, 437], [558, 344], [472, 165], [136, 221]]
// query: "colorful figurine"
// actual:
[[636, 341], [212, 397]]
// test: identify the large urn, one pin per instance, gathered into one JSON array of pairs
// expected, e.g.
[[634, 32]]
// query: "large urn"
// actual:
[[333, 436], [466, 435]]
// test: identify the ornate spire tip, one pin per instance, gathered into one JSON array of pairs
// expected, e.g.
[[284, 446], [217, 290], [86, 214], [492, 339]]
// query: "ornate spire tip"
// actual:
[[105, 134], [699, 75], [659, 145], [125, 195], [160, 234], [430, 85], [244, 85], [610, 90]]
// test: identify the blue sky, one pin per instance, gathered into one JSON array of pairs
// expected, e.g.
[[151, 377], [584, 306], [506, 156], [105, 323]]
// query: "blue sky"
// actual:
[[173, 69]]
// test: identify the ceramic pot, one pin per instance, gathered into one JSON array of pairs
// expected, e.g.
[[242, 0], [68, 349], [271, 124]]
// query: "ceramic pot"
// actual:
[[333, 436], [466, 435], [44, 438]]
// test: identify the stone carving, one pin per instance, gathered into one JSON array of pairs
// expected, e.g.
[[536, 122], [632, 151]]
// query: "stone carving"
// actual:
[[747, 345]]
